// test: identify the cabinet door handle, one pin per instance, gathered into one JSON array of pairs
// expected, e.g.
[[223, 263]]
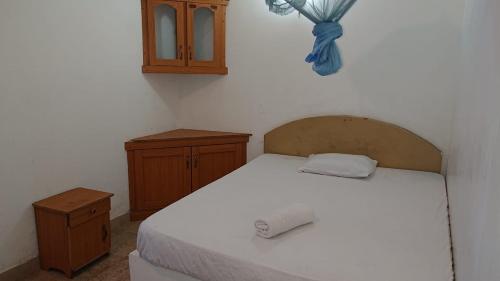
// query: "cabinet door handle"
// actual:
[[190, 53], [104, 233], [188, 163], [180, 52]]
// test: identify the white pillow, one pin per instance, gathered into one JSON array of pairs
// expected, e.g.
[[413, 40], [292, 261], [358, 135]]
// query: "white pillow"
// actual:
[[340, 165]]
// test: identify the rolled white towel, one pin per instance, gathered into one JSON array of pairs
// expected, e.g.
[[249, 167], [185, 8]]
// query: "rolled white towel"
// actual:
[[283, 220]]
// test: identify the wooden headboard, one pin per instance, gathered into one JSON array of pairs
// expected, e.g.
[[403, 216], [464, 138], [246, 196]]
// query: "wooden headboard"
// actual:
[[390, 145]]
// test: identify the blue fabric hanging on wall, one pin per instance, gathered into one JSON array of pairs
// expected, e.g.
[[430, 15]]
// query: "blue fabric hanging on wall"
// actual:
[[326, 15]]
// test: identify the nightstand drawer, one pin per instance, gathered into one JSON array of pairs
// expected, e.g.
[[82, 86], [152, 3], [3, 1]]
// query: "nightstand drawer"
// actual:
[[87, 213]]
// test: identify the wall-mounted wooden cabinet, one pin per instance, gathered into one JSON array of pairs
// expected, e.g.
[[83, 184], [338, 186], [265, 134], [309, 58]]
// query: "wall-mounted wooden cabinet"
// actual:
[[184, 36]]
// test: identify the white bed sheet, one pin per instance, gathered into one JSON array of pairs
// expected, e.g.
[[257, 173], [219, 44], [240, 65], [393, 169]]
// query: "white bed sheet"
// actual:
[[392, 226], [142, 270]]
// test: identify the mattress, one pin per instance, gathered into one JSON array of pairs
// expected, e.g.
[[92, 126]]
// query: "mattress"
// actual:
[[392, 226], [142, 270]]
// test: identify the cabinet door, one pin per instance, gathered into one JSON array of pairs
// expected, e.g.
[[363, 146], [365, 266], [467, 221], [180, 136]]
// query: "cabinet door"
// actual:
[[162, 176], [205, 35], [166, 32], [215, 161], [89, 241]]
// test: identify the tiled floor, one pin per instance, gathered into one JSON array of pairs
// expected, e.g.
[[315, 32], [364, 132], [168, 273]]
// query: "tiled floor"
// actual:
[[113, 267]]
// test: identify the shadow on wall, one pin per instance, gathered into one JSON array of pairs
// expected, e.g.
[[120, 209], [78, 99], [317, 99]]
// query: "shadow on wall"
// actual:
[[181, 84], [167, 87], [192, 83], [28, 250], [412, 64]]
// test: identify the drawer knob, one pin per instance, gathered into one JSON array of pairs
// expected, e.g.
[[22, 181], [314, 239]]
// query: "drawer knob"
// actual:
[[93, 211]]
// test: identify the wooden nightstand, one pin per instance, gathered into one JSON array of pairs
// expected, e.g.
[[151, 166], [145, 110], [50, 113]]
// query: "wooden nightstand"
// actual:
[[165, 167], [73, 229]]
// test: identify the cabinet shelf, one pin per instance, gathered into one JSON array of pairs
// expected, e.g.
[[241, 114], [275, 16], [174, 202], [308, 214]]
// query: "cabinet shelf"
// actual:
[[184, 36], [184, 69]]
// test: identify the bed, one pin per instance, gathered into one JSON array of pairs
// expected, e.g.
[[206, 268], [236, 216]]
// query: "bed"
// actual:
[[390, 226]]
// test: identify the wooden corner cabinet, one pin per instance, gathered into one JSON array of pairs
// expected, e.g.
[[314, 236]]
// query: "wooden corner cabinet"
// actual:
[[165, 167], [184, 36], [73, 229]]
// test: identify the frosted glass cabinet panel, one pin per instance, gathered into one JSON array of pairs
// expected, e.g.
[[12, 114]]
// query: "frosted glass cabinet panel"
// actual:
[[205, 43], [204, 24], [166, 32], [184, 36]]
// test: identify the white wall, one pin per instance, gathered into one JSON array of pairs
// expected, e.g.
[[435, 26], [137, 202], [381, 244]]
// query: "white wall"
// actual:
[[400, 57], [71, 92], [474, 168]]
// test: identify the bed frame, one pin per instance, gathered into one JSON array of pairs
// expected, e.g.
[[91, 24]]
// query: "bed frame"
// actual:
[[390, 145]]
